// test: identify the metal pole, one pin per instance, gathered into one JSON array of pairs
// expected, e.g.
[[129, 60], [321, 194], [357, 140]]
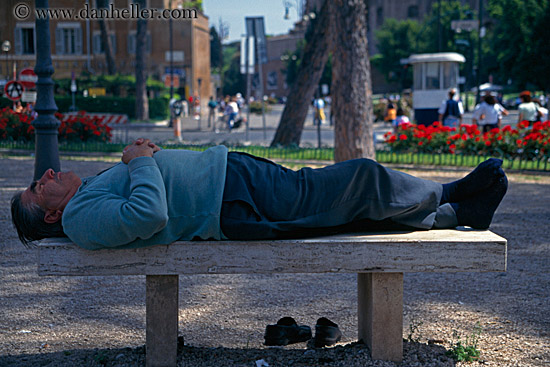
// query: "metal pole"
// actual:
[[171, 64], [439, 35], [199, 81], [46, 125], [318, 120], [88, 60], [478, 74], [262, 96]]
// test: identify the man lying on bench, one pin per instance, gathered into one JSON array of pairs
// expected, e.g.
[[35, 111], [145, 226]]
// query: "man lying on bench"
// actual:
[[160, 196]]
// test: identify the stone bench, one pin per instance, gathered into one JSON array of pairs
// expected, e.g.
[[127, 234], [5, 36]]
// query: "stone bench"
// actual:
[[379, 259]]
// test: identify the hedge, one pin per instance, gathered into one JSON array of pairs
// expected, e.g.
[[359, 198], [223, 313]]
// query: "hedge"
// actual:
[[158, 107]]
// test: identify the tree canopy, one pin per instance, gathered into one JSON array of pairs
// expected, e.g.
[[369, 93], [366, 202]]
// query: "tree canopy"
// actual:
[[515, 49]]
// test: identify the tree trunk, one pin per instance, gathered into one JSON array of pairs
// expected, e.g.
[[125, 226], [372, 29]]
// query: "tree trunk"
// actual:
[[351, 83], [311, 68], [142, 102], [106, 40]]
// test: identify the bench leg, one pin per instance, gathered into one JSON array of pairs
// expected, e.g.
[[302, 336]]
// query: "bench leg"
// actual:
[[162, 320], [380, 314]]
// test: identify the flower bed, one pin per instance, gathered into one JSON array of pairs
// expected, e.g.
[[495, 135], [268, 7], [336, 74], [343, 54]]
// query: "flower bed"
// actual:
[[75, 128], [525, 141]]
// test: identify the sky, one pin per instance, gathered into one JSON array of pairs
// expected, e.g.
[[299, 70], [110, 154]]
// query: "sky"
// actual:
[[233, 13]]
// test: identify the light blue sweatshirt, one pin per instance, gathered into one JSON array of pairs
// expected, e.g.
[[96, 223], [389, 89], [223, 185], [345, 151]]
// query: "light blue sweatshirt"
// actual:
[[177, 194]]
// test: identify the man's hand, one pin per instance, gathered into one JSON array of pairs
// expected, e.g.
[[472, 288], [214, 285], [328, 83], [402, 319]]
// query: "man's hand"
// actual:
[[155, 147], [140, 148]]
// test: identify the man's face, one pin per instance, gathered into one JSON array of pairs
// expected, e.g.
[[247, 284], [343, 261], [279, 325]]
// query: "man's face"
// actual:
[[53, 191]]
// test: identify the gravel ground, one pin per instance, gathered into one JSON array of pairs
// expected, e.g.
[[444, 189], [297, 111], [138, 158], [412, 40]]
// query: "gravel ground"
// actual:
[[100, 321]]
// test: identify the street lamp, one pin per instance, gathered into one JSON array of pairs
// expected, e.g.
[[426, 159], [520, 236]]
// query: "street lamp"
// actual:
[[6, 47], [297, 4], [46, 124]]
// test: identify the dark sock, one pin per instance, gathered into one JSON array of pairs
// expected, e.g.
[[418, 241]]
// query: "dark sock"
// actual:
[[477, 211], [480, 179]]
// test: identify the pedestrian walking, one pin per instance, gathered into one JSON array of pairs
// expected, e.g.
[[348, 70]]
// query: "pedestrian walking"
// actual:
[[319, 105], [212, 105], [451, 110], [488, 114], [400, 119], [528, 110]]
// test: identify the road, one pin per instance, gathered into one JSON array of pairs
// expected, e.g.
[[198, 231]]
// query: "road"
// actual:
[[192, 134]]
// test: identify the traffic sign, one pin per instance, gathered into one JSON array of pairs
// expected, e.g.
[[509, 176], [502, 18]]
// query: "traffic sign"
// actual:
[[464, 25], [175, 81], [177, 108], [14, 90], [28, 78], [28, 96]]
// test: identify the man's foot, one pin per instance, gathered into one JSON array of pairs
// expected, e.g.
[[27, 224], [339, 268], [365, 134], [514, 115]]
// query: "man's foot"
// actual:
[[477, 211], [480, 179]]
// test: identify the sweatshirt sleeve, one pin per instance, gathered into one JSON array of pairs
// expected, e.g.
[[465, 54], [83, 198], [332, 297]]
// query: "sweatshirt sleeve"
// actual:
[[99, 218]]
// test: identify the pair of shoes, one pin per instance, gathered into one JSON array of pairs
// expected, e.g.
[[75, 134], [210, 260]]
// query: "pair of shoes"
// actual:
[[326, 333], [285, 332]]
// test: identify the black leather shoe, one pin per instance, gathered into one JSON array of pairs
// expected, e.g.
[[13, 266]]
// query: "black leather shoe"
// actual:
[[286, 331], [326, 333]]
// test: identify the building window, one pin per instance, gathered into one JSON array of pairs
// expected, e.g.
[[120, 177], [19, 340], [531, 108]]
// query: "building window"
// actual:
[[272, 82], [24, 40], [68, 39], [412, 11], [98, 45], [432, 75], [132, 43]]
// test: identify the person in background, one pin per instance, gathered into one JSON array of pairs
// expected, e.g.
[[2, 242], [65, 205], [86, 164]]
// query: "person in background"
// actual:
[[451, 110], [212, 104], [488, 114], [319, 105], [18, 107], [391, 114], [527, 108], [400, 119], [231, 110], [543, 111]]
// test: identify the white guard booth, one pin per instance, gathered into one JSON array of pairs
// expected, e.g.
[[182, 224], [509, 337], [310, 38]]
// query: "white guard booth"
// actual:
[[434, 74]]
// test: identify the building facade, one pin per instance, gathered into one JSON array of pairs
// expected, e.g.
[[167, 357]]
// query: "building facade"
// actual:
[[76, 43]]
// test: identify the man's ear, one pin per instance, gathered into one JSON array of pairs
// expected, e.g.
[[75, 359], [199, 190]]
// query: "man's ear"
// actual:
[[52, 216]]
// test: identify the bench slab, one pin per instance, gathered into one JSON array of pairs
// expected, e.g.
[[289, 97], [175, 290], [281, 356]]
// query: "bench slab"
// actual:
[[421, 251], [379, 259]]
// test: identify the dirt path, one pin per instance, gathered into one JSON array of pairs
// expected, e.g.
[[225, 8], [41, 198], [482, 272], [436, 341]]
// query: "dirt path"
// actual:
[[89, 321]]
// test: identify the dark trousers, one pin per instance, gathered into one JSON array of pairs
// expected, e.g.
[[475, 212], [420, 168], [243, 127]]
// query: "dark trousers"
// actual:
[[263, 200]]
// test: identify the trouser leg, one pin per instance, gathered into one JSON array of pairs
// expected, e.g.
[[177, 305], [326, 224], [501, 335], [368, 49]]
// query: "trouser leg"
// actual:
[[269, 200]]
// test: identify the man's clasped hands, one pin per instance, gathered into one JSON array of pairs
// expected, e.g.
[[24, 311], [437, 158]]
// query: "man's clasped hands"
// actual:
[[140, 148]]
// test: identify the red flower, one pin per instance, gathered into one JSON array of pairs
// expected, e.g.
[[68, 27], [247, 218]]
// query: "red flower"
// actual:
[[403, 137]]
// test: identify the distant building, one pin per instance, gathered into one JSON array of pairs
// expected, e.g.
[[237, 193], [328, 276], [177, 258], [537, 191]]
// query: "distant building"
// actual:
[[76, 43]]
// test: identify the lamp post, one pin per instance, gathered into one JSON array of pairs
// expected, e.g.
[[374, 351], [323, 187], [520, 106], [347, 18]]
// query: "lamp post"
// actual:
[[46, 125], [6, 47], [199, 82], [170, 31]]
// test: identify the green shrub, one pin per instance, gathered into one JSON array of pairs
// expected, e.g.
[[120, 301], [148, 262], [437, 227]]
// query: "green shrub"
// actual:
[[158, 107], [256, 107]]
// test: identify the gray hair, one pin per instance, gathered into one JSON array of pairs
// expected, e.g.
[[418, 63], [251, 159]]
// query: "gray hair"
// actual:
[[29, 222]]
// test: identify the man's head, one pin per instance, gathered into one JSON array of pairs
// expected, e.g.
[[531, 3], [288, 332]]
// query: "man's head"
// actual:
[[525, 96], [452, 93], [36, 212]]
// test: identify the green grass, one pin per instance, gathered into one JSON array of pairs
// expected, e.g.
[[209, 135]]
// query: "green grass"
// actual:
[[306, 154]]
